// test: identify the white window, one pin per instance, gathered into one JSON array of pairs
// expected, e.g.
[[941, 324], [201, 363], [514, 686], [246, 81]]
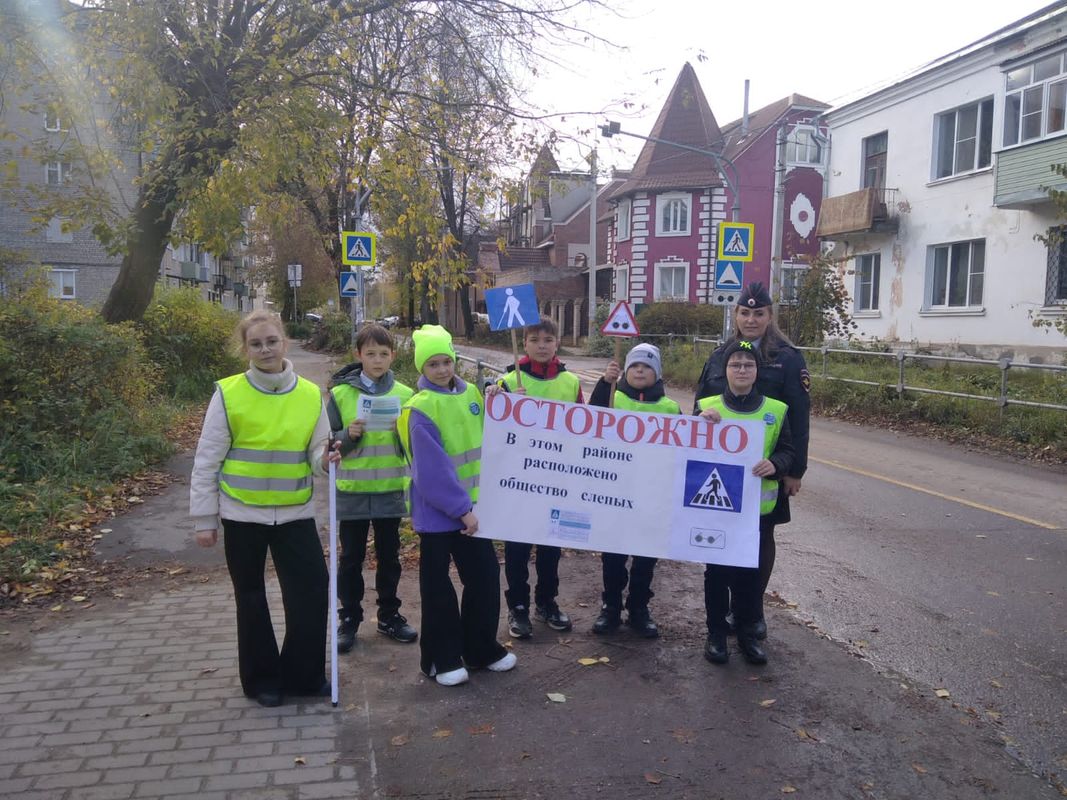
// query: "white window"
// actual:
[[622, 220], [672, 281], [1035, 102], [52, 120], [956, 274], [802, 148], [57, 172], [55, 233], [792, 279], [622, 283], [63, 284], [964, 139], [868, 276], [672, 217]]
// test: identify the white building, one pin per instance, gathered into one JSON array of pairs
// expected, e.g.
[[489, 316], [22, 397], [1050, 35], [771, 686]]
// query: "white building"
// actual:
[[938, 187]]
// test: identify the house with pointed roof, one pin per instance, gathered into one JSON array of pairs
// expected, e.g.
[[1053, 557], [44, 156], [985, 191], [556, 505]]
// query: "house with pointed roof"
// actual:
[[664, 232]]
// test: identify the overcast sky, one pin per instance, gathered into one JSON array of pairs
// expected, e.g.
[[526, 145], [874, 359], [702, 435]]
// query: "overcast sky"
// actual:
[[825, 49]]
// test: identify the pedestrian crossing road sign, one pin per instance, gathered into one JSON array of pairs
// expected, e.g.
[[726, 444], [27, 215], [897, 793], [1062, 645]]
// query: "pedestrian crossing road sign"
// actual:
[[349, 284], [729, 274], [359, 249], [736, 240]]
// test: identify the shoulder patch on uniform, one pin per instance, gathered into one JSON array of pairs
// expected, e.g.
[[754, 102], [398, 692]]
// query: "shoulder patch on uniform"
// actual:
[[805, 380]]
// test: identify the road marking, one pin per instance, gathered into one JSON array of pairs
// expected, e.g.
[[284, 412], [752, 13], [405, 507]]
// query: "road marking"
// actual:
[[924, 490]]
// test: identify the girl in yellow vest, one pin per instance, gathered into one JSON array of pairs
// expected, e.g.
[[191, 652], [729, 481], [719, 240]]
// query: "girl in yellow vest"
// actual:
[[372, 481], [441, 430], [265, 435], [640, 389], [741, 400]]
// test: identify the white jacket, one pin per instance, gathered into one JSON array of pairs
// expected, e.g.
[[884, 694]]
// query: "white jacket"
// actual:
[[207, 505]]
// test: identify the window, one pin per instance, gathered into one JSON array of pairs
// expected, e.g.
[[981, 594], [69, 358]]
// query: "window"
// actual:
[[57, 172], [964, 139], [868, 275], [672, 281], [55, 233], [874, 160], [673, 216], [956, 274], [1035, 102], [801, 148], [622, 283], [63, 284], [792, 279], [622, 220], [1056, 282], [52, 120]]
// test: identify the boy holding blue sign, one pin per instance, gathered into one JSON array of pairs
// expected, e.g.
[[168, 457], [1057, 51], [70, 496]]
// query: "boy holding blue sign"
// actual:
[[742, 400], [543, 375]]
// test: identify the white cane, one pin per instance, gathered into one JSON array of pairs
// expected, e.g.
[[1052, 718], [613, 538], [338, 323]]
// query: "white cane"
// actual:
[[333, 584]]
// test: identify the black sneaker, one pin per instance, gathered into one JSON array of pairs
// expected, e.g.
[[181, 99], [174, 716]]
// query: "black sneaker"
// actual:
[[396, 627], [519, 622], [642, 623], [609, 620], [553, 617], [346, 634]]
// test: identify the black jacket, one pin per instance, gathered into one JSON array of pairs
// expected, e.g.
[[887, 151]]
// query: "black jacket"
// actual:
[[601, 395]]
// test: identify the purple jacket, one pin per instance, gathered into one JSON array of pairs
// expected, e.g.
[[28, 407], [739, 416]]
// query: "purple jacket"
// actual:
[[438, 499]]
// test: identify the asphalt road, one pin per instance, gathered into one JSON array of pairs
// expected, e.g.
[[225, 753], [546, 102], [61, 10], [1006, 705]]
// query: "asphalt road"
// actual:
[[944, 566]]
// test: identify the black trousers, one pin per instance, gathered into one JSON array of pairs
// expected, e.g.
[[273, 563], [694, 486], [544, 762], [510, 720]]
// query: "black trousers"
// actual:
[[460, 633], [353, 534], [616, 576], [739, 589], [300, 666], [517, 572]]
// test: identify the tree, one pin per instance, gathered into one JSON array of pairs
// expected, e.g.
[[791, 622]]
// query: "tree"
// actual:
[[821, 309], [1054, 241]]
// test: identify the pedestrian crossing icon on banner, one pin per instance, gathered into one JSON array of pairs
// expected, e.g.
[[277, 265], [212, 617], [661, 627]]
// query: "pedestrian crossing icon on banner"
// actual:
[[714, 486], [359, 249], [735, 240], [712, 493]]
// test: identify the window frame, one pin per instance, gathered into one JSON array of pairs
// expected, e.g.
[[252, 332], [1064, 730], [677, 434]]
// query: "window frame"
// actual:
[[866, 295], [788, 292], [1017, 95], [663, 202], [622, 282], [792, 147], [51, 114], [947, 285], [868, 157], [1056, 274], [624, 214], [56, 290], [983, 151], [657, 288], [61, 170]]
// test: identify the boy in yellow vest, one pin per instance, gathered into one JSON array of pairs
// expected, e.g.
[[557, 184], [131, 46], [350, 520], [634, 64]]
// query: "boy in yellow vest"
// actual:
[[639, 389], [742, 400], [372, 482], [543, 375]]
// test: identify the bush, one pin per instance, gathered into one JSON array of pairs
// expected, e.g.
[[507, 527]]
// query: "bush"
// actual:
[[333, 334], [688, 319], [299, 330], [191, 341]]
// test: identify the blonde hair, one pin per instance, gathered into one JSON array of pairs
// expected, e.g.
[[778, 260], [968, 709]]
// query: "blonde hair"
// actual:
[[240, 333], [772, 338]]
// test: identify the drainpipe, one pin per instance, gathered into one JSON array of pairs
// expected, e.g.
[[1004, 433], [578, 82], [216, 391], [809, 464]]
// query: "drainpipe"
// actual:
[[778, 209], [744, 117]]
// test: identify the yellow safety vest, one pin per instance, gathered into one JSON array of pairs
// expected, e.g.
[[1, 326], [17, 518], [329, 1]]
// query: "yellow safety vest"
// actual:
[[564, 386], [377, 465], [270, 433], [459, 419], [662, 406], [773, 412]]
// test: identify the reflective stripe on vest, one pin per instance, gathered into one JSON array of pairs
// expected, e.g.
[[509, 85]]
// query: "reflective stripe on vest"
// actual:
[[377, 465], [768, 408], [459, 419], [270, 433], [662, 406], [563, 387]]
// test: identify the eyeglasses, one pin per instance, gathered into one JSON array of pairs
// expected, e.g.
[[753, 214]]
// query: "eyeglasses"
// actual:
[[741, 367]]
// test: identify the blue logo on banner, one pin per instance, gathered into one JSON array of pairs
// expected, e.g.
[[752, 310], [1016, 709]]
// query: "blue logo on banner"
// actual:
[[512, 307], [716, 487]]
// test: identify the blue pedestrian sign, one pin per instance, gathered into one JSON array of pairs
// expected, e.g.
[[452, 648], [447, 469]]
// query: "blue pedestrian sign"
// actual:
[[729, 274], [736, 240], [512, 307], [349, 284], [359, 249]]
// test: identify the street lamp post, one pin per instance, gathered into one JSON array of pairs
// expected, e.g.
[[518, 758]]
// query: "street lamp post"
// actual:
[[727, 169]]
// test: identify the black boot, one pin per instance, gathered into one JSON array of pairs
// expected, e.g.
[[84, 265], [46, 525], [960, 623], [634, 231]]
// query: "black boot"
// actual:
[[641, 622], [609, 620], [715, 649], [759, 629], [749, 646], [346, 634]]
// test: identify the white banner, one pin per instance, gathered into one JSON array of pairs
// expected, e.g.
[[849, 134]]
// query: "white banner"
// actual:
[[667, 486]]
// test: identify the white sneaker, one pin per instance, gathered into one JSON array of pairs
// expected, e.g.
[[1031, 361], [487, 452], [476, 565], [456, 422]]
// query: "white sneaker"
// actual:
[[504, 664], [454, 677]]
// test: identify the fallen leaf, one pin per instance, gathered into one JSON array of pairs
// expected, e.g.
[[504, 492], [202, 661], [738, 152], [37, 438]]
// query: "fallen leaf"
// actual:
[[56, 607], [400, 740], [556, 697], [583, 605], [651, 777], [300, 760], [441, 733], [996, 684], [993, 594], [787, 789], [862, 643], [105, 530], [683, 735], [481, 730], [392, 667], [919, 768], [942, 693], [208, 670], [350, 707], [979, 536], [588, 662], [994, 715], [804, 735], [767, 703], [177, 571], [79, 598], [604, 660]]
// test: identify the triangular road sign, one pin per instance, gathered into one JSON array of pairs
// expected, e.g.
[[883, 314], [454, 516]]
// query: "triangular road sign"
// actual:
[[357, 250], [736, 246], [351, 284], [620, 321], [728, 277], [713, 494]]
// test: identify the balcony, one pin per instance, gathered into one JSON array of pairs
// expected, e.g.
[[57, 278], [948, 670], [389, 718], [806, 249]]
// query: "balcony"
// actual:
[[1024, 174], [870, 210]]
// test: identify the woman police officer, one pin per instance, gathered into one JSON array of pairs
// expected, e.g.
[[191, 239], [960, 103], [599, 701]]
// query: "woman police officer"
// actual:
[[783, 376]]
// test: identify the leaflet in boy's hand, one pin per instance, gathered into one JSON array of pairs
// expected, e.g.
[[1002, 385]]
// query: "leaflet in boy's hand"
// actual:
[[379, 413]]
